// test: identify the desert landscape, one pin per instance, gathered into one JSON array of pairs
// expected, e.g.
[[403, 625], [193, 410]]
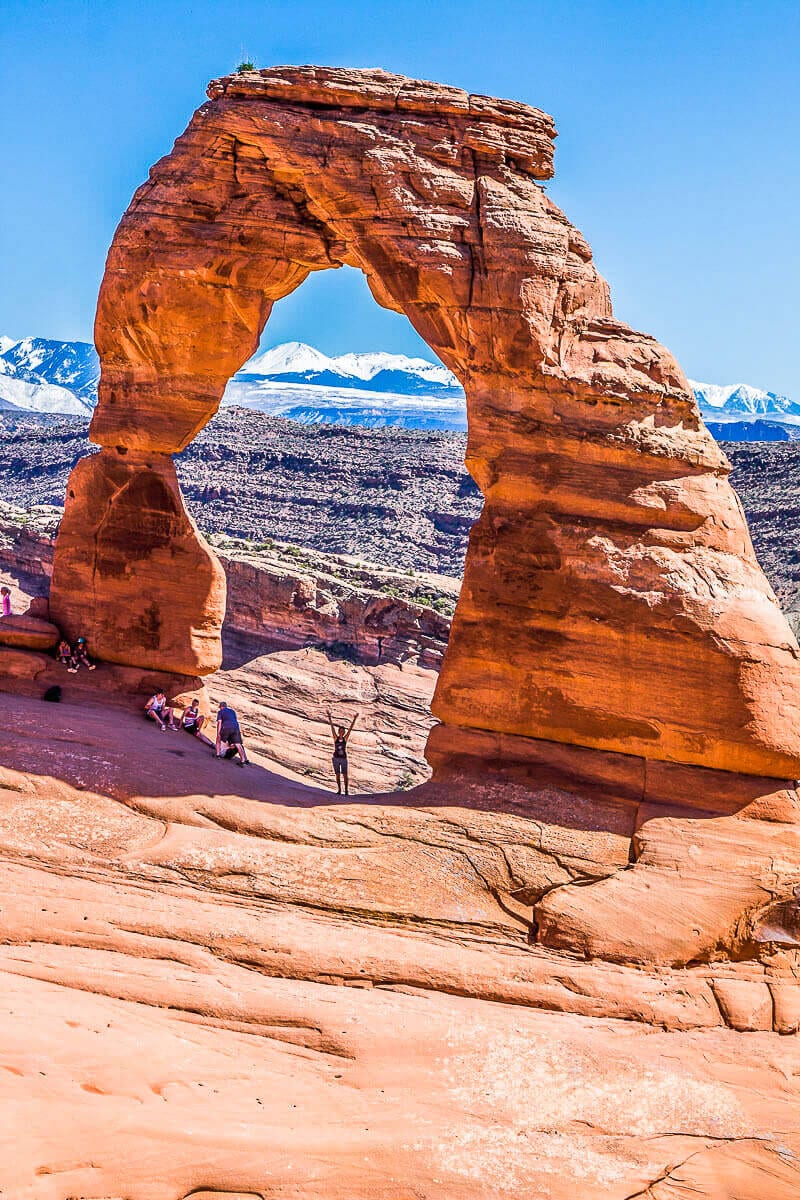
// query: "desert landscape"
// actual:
[[550, 944]]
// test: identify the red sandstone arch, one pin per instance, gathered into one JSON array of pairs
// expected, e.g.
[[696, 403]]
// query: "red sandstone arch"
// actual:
[[611, 599]]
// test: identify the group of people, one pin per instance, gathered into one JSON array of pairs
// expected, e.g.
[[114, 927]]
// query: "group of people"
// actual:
[[74, 657], [229, 742]]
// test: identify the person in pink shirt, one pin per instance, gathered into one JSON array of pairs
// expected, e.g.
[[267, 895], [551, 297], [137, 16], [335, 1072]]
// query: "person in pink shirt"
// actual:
[[5, 609]]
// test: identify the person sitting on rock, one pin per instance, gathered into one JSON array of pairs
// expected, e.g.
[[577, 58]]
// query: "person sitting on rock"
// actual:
[[340, 737], [64, 655], [5, 605], [159, 711], [80, 655], [193, 721], [229, 734]]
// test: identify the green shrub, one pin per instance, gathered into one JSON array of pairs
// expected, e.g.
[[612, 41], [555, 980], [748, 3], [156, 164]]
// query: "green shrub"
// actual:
[[245, 66]]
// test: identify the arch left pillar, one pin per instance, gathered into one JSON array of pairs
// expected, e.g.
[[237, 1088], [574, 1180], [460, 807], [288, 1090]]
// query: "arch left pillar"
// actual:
[[131, 567], [124, 540]]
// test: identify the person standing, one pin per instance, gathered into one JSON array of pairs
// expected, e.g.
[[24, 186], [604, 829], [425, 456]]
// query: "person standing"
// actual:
[[340, 736], [228, 731], [5, 606]]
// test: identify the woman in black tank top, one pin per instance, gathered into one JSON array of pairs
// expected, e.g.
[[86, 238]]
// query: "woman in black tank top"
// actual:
[[339, 760]]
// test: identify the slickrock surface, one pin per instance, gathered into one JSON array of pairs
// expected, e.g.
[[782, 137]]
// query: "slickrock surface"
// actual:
[[221, 983], [611, 548], [304, 633]]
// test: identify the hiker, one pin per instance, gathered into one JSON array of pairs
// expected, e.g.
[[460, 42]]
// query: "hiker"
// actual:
[[81, 655], [228, 731], [64, 655], [159, 711], [340, 737], [5, 607], [193, 721]]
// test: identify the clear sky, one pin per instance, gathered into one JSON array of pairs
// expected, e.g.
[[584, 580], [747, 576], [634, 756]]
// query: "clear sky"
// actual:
[[678, 154]]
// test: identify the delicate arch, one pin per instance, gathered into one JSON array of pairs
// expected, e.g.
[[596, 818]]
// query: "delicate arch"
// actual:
[[611, 552]]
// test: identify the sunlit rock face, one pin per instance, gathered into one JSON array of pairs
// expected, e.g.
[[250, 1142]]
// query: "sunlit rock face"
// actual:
[[612, 599]]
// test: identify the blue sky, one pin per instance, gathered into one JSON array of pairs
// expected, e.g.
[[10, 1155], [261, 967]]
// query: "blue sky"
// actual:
[[678, 155]]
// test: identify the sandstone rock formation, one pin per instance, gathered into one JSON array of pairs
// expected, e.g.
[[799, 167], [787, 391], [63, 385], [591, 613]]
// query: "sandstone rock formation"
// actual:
[[220, 983], [611, 550], [286, 598], [303, 633], [26, 631]]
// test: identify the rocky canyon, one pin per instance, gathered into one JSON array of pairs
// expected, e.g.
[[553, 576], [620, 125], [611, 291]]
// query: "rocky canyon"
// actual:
[[566, 963]]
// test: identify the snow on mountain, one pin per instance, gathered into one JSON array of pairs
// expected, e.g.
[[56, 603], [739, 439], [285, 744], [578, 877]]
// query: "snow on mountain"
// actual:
[[299, 360], [70, 365], [299, 381], [295, 362], [733, 401], [47, 376], [290, 358], [367, 366], [23, 394], [309, 403]]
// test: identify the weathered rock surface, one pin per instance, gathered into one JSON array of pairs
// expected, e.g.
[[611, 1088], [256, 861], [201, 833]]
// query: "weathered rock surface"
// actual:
[[27, 632], [220, 983], [155, 594], [304, 633], [611, 548], [285, 597]]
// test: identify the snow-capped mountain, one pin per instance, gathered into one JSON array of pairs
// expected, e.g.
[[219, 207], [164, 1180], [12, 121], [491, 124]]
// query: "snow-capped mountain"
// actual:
[[737, 400], [295, 362], [299, 382], [290, 358], [376, 388], [71, 365], [46, 376]]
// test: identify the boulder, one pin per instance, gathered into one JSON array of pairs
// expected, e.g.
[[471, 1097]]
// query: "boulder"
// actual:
[[26, 632]]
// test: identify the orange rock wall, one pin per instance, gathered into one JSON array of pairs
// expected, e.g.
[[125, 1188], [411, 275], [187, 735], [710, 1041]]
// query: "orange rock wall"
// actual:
[[612, 598]]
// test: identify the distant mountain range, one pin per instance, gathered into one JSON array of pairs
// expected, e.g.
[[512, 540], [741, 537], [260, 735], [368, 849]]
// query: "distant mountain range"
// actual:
[[41, 375], [297, 381]]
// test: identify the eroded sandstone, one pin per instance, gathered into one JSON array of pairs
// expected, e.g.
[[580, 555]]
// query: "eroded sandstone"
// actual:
[[611, 549], [220, 982], [568, 966]]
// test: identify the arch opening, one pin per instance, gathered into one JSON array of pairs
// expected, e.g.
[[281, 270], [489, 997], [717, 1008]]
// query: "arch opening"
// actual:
[[352, 615], [611, 549]]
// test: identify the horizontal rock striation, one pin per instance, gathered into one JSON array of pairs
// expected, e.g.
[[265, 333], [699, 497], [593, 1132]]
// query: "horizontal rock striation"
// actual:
[[288, 599], [241, 994], [611, 551]]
